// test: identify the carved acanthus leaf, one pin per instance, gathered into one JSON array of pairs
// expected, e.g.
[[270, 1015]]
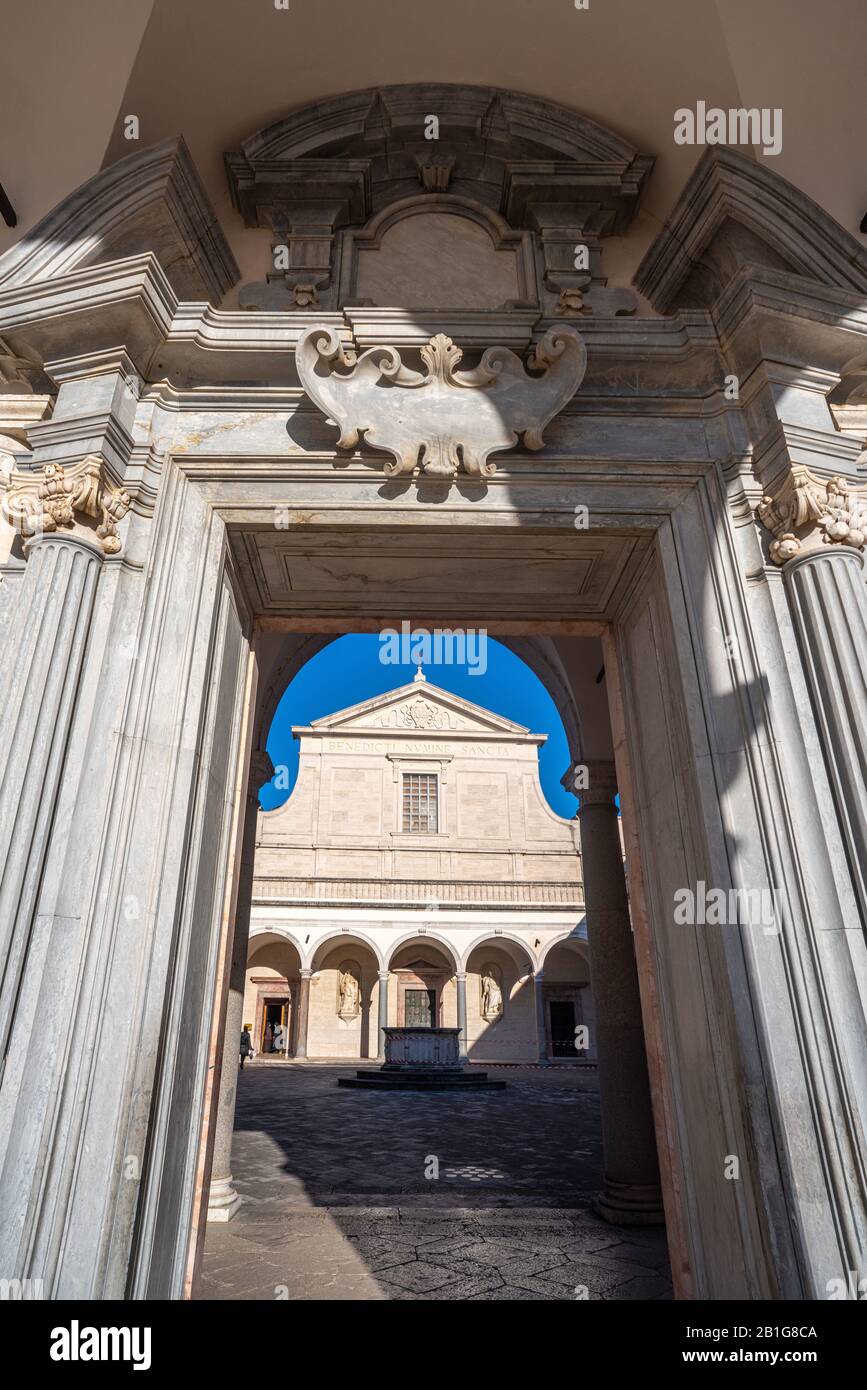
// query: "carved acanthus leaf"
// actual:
[[808, 512], [442, 421], [61, 498]]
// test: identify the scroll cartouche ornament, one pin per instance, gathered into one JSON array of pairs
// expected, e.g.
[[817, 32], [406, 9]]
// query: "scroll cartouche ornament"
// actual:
[[808, 512], [440, 422], [58, 497]]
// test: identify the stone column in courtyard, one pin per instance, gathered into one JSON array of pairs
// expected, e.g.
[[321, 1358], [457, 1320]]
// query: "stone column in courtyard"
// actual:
[[382, 1014], [820, 529], [631, 1192], [461, 979], [539, 1000], [42, 664], [223, 1200], [303, 1013]]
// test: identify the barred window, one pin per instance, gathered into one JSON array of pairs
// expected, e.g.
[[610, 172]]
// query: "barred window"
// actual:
[[420, 802]]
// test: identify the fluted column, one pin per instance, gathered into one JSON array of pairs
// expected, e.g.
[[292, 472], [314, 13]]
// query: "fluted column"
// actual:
[[631, 1193], [382, 1014], [819, 527], [43, 656], [828, 603], [303, 1013], [541, 1031], [461, 978]]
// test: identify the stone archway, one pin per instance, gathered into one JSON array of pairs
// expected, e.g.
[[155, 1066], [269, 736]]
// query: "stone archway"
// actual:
[[567, 1002], [342, 1016], [420, 966], [273, 985], [501, 1006], [141, 612]]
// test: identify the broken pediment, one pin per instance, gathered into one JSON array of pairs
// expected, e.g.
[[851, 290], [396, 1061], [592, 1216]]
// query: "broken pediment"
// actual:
[[152, 201], [440, 422], [735, 212], [321, 177]]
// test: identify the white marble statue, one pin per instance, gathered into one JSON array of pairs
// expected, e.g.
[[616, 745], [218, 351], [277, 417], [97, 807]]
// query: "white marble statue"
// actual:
[[350, 995], [492, 993]]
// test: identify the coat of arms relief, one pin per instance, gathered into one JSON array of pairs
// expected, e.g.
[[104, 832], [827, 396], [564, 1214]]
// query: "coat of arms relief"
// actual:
[[440, 422]]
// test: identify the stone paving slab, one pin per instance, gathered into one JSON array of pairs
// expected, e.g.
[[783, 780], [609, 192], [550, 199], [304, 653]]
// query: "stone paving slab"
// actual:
[[336, 1205]]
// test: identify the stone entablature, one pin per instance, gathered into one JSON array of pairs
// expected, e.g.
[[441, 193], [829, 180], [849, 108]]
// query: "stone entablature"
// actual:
[[295, 891]]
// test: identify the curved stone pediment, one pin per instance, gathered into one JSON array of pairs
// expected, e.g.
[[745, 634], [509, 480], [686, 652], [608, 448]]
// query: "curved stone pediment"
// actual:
[[444, 421]]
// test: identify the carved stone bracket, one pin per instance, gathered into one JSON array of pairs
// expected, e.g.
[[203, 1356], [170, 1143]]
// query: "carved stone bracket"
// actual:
[[443, 421], [67, 498], [808, 512]]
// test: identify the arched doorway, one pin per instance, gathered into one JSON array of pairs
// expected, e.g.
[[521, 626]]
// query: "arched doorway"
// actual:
[[567, 1003], [270, 1009], [422, 985]]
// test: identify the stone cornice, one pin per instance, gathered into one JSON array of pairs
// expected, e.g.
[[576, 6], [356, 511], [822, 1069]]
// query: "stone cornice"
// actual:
[[808, 513], [128, 302], [77, 500], [129, 306]]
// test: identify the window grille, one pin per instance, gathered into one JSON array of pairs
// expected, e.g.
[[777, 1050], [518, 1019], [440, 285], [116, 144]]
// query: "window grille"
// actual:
[[420, 803]]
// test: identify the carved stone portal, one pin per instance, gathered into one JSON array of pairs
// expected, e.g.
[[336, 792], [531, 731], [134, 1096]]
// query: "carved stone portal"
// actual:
[[443, 421]]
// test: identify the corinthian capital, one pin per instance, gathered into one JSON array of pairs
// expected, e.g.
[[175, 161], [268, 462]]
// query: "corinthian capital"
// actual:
[[807, 513], [69, 499]]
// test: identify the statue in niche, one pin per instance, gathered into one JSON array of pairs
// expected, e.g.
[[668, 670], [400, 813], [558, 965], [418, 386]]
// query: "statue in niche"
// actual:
[[349, 990], [492, 991]]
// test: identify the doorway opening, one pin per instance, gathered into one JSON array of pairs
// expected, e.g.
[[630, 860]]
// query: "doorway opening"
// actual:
[[562, 1024], [469, 916]]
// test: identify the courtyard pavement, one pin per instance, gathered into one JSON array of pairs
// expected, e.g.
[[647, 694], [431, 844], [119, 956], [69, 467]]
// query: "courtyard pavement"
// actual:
[[405, 1195]]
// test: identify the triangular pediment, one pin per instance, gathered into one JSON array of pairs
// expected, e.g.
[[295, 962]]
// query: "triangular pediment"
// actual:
[[419, 707]]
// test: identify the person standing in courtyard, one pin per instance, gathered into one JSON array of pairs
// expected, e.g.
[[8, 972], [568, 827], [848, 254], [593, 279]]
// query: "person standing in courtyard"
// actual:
[[246, 1045]]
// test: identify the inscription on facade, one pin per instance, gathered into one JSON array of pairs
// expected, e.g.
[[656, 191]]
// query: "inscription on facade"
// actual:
[[417, 748]]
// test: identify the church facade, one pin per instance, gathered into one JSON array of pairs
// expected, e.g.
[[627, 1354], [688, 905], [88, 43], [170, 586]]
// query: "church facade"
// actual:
[[416, 875]]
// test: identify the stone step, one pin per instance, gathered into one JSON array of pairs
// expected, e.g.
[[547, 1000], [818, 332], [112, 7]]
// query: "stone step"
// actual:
[[436, 1073], [425, 1081]]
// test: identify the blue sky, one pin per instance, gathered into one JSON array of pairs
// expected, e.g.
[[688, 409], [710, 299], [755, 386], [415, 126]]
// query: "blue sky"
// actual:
[[350, 670]]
